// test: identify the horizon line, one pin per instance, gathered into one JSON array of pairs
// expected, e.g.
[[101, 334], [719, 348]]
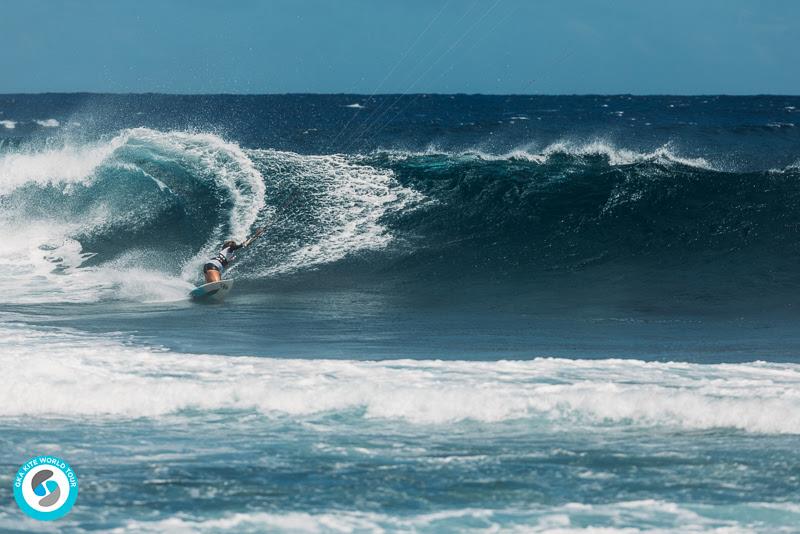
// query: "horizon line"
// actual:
[[421, 94]]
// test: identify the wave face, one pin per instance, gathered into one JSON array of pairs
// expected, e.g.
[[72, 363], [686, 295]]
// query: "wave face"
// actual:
[[568, 207], [156, 204]]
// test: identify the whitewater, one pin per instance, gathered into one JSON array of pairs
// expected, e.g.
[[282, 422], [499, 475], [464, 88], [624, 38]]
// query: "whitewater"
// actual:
[[127, 381], [499, 313]]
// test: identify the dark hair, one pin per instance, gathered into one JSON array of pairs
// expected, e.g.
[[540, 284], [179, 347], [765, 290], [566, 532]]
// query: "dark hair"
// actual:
[[229, 243]]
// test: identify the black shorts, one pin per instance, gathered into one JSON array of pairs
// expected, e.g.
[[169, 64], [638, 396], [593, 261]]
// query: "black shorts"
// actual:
[[210, 267]]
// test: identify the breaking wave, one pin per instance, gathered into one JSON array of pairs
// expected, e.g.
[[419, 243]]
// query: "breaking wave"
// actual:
[[148, 205], [139, 212]]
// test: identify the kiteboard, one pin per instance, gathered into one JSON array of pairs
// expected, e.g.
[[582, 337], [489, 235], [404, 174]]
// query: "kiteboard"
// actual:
[[212, 292]]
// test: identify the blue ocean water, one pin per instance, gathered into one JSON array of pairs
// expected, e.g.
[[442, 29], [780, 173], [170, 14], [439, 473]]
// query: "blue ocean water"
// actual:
[[547, 314]]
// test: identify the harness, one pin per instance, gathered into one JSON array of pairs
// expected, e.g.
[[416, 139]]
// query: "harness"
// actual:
[[222, 259]]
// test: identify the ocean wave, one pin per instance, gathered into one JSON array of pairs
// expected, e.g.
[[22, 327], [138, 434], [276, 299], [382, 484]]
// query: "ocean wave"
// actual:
[[568, 208], [106, 213], [8, 124], [89, 203], [122, 380], [97, 215], [579, 151], [620, 156]]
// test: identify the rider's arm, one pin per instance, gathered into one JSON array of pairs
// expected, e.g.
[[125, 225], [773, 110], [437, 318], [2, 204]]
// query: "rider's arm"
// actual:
[[252, 238]]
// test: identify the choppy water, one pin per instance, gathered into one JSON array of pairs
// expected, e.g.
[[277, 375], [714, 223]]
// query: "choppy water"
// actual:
[[532, 313]]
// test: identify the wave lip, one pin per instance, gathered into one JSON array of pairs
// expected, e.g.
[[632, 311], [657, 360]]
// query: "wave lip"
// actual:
[[129, 382], [620, 156], [615, 156]]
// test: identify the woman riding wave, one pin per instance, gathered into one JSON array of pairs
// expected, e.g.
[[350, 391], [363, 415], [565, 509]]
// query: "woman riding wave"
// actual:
[[214, 267]]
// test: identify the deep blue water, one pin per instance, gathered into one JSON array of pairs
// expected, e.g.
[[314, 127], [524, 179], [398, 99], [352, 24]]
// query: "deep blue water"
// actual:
[[468, 312]]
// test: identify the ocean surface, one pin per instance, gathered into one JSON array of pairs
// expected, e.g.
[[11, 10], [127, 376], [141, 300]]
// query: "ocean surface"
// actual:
[[472, 313]]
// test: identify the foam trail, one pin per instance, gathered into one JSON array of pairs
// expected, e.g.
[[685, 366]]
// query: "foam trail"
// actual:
[[129, 381]]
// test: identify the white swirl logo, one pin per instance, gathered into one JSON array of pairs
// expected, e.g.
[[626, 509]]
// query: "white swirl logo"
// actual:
[[46, 487]]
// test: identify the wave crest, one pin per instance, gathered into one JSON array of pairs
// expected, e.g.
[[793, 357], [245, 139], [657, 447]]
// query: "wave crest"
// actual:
[[578, 152]]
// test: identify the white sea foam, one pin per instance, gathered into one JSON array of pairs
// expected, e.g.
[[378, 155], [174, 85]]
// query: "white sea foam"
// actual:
[[649, 515], [355, 105], [43, 264], [128, 381], [48, 123], [616, 156], [792, 167], [222, 161], [8, 124], [206, 155]]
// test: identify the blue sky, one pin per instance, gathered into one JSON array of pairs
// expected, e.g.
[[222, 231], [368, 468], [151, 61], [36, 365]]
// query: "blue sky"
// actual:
[[366, 46]]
